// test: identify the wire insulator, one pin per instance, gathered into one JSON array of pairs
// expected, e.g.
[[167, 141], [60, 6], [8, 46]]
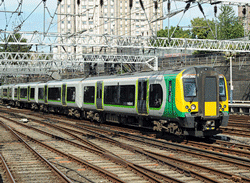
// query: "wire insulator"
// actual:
[[44, 0], [201, 9], [215, 10], [156, 4], [59, 1], [187, 7], [130, 4], [169, 5], [142, 6], [78, 2], [101, 3], [244, 11]]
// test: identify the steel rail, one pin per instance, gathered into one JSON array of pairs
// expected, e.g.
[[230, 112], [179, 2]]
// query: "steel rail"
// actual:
[[105, 138], [58, 172], [100, 151], [165, 160], [10, 176]]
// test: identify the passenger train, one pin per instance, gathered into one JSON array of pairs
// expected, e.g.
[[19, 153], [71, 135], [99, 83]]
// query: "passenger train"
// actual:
[[191, 101]]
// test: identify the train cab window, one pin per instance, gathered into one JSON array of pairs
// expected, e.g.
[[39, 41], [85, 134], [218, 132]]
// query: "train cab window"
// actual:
[[71, 94], [189, 87], [89, 94], [15, 92], [32, 93], [111, 95], [54, 93], [40, 93], [155, 95], [127, 95], [5, 92], [222, 87], [23, 93]]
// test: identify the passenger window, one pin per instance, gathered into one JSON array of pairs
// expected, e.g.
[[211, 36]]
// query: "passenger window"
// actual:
[[5, 92], [127, 95], [23, 93], [119, 95], [89, 94], [40, 93], [54, 94], [111, 95], [155, 95], [71, 94]]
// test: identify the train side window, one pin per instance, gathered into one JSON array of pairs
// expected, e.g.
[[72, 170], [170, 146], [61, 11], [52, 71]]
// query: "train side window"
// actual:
[[170, 91], [40, 93], [54, 93], [23, 93], [127, 95], [111, 95], [15, 92], [155, 95], [89, 94], [32, 93], [71, 94], [5, 92]]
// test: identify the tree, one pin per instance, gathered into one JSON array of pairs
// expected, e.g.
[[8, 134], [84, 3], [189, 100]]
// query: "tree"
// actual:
[[179, 32], [202, 28], [229, 25], [15, 48]]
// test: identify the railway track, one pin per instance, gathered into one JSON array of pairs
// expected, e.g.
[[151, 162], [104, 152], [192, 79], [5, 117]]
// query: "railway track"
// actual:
[[165, 159], [107, 161], [215, 145], [22, 163]]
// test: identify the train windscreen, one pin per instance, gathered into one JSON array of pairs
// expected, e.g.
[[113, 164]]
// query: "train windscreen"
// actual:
[[189, 87]]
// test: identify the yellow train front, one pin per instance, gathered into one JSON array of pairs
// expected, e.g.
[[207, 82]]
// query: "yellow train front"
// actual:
[[201, 100]]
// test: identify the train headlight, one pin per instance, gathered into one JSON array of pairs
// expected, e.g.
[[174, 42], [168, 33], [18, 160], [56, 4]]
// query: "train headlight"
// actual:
[[220, 106], [193, 107], [186, 107], [224, 106]]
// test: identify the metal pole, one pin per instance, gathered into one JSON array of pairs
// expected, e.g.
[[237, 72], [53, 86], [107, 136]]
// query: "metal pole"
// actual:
[[231, 79]]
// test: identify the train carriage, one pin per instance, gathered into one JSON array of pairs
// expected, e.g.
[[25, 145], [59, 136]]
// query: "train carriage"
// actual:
[[190, 101]]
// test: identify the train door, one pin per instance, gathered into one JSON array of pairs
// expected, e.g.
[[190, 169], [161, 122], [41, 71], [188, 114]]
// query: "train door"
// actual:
[[46, 94], [210, 96], [28, 92], [18, 93], [8, 93], [142, 96], [64, 95], [170, 96], [99, 95]]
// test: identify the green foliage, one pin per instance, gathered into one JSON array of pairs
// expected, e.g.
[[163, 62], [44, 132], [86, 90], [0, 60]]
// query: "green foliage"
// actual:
[[230, 26], [179, 32], [15, 48], [201, 28]]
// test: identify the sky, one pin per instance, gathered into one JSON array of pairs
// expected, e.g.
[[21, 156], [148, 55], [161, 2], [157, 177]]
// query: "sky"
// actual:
[[34, 21]]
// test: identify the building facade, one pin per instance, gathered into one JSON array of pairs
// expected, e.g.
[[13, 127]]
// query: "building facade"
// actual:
[[113, 17], [246, 18]]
